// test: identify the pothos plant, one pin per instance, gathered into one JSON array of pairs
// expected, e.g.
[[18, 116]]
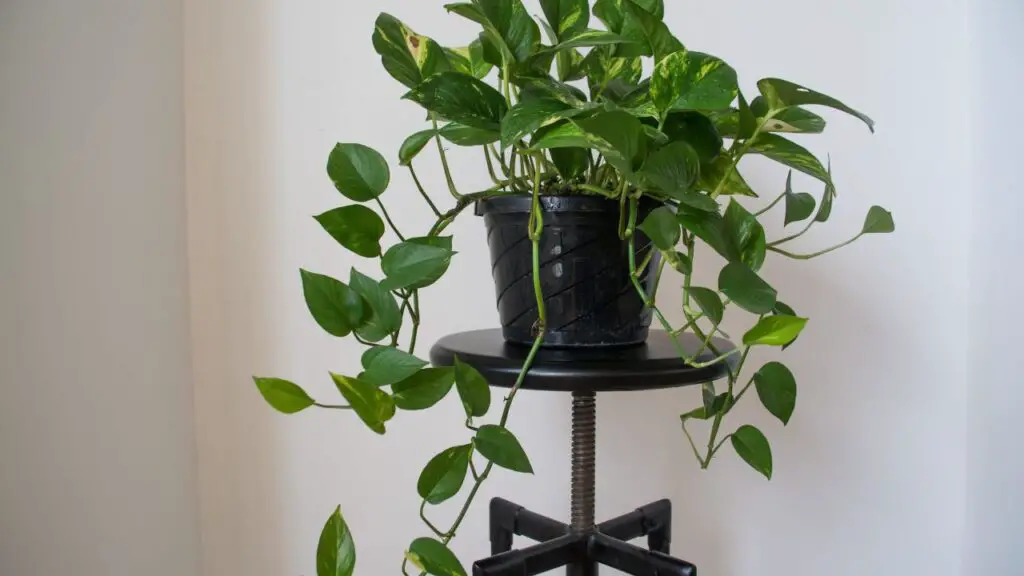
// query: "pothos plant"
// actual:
[[565, 113]]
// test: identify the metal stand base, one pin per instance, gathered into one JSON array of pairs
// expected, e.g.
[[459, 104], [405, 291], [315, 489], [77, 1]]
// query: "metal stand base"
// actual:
[[582, 545]]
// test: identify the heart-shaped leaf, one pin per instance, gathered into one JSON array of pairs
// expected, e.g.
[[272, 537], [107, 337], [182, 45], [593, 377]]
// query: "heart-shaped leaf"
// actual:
[[433, 557], [282, 395], [336, 551], [461, 98], [650, 35], [799, 206], [662, 228], [792, 119], [695, 129], [751, 445], [467, 136], [443, 476], [878, 221], [688, 80], [407, 56], [775, 330], [424, 388], [412, 146], [473, 389], [373, 406], [355, 227], [359, 172], [746, 234], [709, 303], [790, 154], [783, 93], [529, 115], [712, 173], [336, 308], [416, 263], [384, 317], [744, 287], [386, 365], [566, 17], [500, 446], [776, 388], [673, 171]]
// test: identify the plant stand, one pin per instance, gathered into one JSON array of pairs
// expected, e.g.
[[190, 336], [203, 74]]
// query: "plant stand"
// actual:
[[582, 544]]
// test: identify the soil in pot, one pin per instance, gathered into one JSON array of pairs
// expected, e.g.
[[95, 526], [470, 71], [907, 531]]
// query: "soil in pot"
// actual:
[[584, 271]]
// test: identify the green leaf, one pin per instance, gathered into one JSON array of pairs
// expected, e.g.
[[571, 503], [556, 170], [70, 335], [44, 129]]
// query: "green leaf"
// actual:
[[746, 234], [673, 170], [373, 406], [359, 172], [570, 162], [746, 119], [470, 59], [415, 263], [529, 115], [424, 388], [336, 551], [461, 98], [546, 87], [776, 388], [389, 365], [413, 145], [569, 64], [798, 206], [589, 39], [500, 446], [466, 136], [443, 476], [878, 221], [775, 330], [407, 56], [566, 17], [825, 208], [790, 154], [604, 70], [712, 173], [783, 308], [783, 94], [282, 395], [793, 119], [680, 262], [751, 445], [692, 81], [384, 317], [355, 227], [710, 227], [662, 228], [473, 389], [336, 308], [652, 36], [744, 287], [506, 21], [618, 135], [695, 414], [695, 129], [434, 558], [709, 303]]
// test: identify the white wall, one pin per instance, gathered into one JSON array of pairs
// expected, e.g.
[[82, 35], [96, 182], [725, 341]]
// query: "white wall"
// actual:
[[97, 454], [870, 473], [995, 460]]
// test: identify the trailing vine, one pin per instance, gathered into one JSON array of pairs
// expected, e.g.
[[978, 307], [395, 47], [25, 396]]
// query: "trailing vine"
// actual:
[[624, 140]]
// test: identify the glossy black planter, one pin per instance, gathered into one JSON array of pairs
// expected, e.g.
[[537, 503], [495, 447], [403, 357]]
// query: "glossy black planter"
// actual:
[[584, 268]]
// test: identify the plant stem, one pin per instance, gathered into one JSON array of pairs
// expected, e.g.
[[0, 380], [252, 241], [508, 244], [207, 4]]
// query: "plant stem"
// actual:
[[332, 406], [740, 152], [490, 165], [444, 159], [422, 191], [423, 516], [772, 205], [814, 254], [721, 414], [717, 446], [792, 236], [388, 218], [501, 160], [598, 190], [693, 445], [415, 312]]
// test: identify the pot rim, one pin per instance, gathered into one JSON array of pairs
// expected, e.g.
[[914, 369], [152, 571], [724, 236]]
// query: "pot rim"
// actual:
[[521, 204]]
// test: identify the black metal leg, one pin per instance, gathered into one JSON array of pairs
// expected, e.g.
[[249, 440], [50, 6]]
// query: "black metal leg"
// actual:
[[653, 520], [508, 518], [635, 560], [535, 559]]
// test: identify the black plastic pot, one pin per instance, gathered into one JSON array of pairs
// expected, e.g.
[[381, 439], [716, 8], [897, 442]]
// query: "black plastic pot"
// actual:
[[588, 295]]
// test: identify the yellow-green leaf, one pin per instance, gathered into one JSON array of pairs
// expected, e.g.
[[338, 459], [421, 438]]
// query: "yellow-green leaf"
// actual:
[[775, 330], [373, 406], [407, 56], [284, 396], [688, 80], [336, 551]]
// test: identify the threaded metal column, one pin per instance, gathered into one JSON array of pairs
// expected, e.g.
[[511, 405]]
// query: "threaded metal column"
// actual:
[[584, 444]]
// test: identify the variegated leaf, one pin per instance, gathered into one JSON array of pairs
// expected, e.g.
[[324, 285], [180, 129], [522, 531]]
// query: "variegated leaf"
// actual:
[[461, 98], [470, 59], [602, 69], [781, 94], [791, 154], [712, 173], [693, 81], [792, 119], [650, 35], [566, 17], [467, 136], [406, 55], [507, 20], [529, 115]]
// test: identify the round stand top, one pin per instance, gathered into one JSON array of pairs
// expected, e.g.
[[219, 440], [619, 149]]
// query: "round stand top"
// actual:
[[655, 364]]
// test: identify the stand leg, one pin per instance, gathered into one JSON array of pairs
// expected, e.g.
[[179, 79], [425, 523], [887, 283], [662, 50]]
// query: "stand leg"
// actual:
[[635, 560], [508, 518], [584, 444], [535, 559], [653, 520]]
